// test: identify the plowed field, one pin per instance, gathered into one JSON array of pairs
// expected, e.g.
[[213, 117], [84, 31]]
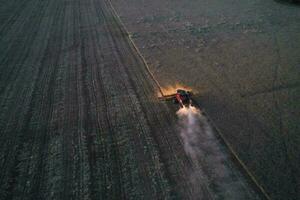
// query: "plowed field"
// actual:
[[80, 117]]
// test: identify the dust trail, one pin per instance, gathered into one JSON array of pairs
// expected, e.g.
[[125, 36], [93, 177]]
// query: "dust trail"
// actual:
[[212, 174], [192, 125], [189, 118], [194, 130]]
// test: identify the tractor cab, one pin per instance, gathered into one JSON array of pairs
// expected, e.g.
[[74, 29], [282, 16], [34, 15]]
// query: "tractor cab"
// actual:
[[182, 97]]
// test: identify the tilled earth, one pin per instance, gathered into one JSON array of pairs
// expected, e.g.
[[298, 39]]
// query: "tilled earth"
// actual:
[[80, 118], [241, 57]]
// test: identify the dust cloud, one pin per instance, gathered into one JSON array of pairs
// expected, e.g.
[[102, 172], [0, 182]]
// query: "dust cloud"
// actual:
[[189, 126], [192, 126], [194, 130], [210, 175]]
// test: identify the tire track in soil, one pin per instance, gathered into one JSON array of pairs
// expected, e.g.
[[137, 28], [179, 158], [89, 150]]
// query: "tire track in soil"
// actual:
[[114, 86], [47, 78], [104, 123], [80, 167], [84, 93], [114, 149], [60, 186], [71, 164]]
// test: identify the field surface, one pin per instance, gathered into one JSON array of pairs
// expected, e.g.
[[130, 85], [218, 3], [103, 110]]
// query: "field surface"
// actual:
[[242, 59], [80, 117]]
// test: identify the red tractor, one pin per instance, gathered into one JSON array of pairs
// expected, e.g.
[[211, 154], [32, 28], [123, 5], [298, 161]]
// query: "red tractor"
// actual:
[[181, 97]]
